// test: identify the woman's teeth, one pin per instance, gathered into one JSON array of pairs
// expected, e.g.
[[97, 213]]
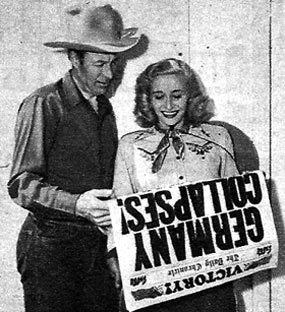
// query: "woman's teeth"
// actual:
[[169, 114]]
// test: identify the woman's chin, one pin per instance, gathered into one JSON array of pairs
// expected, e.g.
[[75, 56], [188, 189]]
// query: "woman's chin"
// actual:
[[170, 124]]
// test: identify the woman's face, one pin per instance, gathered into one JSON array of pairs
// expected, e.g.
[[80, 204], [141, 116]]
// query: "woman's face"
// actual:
[[169, 99]]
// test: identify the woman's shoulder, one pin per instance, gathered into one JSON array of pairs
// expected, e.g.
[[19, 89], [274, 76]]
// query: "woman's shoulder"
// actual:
[[208, 130], [135, 136], [214, 129]]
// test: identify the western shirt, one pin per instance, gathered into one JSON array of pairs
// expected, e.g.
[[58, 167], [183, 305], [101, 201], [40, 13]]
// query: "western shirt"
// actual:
[[208, 154]]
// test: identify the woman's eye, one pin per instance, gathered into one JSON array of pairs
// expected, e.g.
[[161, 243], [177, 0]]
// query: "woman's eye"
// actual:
[[158, 96], [99, 64], [177, 96]]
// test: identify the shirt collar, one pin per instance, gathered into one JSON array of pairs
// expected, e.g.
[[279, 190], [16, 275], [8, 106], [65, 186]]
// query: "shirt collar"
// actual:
[[85, 94], [74, 96], [71, 91], [184, 129]]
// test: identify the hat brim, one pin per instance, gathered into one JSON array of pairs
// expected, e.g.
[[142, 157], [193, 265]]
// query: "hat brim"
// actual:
[[117, 47]]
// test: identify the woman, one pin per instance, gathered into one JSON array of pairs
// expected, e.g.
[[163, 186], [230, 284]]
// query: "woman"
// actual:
[[177, 146]]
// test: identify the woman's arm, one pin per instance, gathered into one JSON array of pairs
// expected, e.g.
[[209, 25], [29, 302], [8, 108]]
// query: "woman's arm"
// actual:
[[122, 177], [122, 186], [228, 165]]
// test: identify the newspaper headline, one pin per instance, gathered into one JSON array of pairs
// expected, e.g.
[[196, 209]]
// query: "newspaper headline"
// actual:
[[187, 238]]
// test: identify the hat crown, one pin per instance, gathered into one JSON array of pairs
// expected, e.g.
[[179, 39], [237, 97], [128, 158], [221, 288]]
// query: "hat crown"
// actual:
[[93, 28], [101, 24], [98, 24]]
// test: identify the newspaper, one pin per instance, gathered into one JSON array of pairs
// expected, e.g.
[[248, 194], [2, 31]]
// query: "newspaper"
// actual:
[[187, 238]]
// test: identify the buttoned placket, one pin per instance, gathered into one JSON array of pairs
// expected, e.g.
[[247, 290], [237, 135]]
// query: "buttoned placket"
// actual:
[[177, 165], [180, 162]]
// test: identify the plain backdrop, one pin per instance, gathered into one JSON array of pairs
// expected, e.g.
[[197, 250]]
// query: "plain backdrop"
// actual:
[[237, 48]]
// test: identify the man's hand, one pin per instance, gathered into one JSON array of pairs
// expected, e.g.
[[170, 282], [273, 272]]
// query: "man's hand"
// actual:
[[94, 209], [115, 271]]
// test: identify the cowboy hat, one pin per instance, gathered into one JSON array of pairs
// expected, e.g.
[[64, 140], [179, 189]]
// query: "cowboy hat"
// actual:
[[95, 29]]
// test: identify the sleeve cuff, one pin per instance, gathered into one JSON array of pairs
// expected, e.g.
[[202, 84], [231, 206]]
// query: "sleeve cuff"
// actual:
[[68, 202]]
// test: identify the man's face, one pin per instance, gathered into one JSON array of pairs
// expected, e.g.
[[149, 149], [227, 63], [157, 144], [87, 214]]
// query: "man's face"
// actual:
[[94, 71]]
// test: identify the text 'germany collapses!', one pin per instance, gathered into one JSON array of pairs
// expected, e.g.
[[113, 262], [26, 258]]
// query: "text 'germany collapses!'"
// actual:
[[203, 217]]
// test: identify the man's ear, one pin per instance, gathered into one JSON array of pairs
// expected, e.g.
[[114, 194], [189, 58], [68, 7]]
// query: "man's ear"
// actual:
[[74, 59]]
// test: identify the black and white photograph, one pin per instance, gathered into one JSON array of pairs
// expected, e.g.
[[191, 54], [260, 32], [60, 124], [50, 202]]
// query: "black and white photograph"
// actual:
[[142, 156]]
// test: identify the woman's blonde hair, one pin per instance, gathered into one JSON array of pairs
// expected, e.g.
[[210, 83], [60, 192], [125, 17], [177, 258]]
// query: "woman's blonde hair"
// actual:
[[200, 107]]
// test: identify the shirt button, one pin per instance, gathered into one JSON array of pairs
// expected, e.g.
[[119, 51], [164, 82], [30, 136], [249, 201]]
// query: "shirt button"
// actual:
[[181, 177], [177, 157]]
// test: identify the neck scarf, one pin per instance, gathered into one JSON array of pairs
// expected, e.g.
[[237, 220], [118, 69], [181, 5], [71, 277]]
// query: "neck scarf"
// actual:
[[164, 144]]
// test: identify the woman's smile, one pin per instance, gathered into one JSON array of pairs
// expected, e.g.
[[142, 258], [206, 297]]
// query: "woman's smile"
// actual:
[[170, 115]]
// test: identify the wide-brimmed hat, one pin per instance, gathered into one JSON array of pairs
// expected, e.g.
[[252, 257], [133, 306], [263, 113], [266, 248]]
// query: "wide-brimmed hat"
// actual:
[[95, 29]]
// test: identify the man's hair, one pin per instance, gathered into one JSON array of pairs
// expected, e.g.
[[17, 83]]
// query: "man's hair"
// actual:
[[200, 107], [80, 54]]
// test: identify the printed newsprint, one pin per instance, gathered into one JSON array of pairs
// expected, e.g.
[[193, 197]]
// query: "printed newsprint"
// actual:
[[180, 240]]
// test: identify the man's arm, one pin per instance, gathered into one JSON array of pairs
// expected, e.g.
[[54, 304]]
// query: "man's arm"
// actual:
[[35, 131], [89, 206]]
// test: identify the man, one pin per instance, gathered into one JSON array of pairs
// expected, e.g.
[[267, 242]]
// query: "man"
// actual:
[[66, 140]]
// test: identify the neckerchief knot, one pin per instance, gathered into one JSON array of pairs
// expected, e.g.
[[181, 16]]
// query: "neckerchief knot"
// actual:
[[164, 144]]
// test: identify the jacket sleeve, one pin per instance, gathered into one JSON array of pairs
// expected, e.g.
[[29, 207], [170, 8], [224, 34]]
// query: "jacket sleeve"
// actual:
[[34, 133], [228, 164]]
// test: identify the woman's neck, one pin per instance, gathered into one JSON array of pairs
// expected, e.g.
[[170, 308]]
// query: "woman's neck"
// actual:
[[177, 126]]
